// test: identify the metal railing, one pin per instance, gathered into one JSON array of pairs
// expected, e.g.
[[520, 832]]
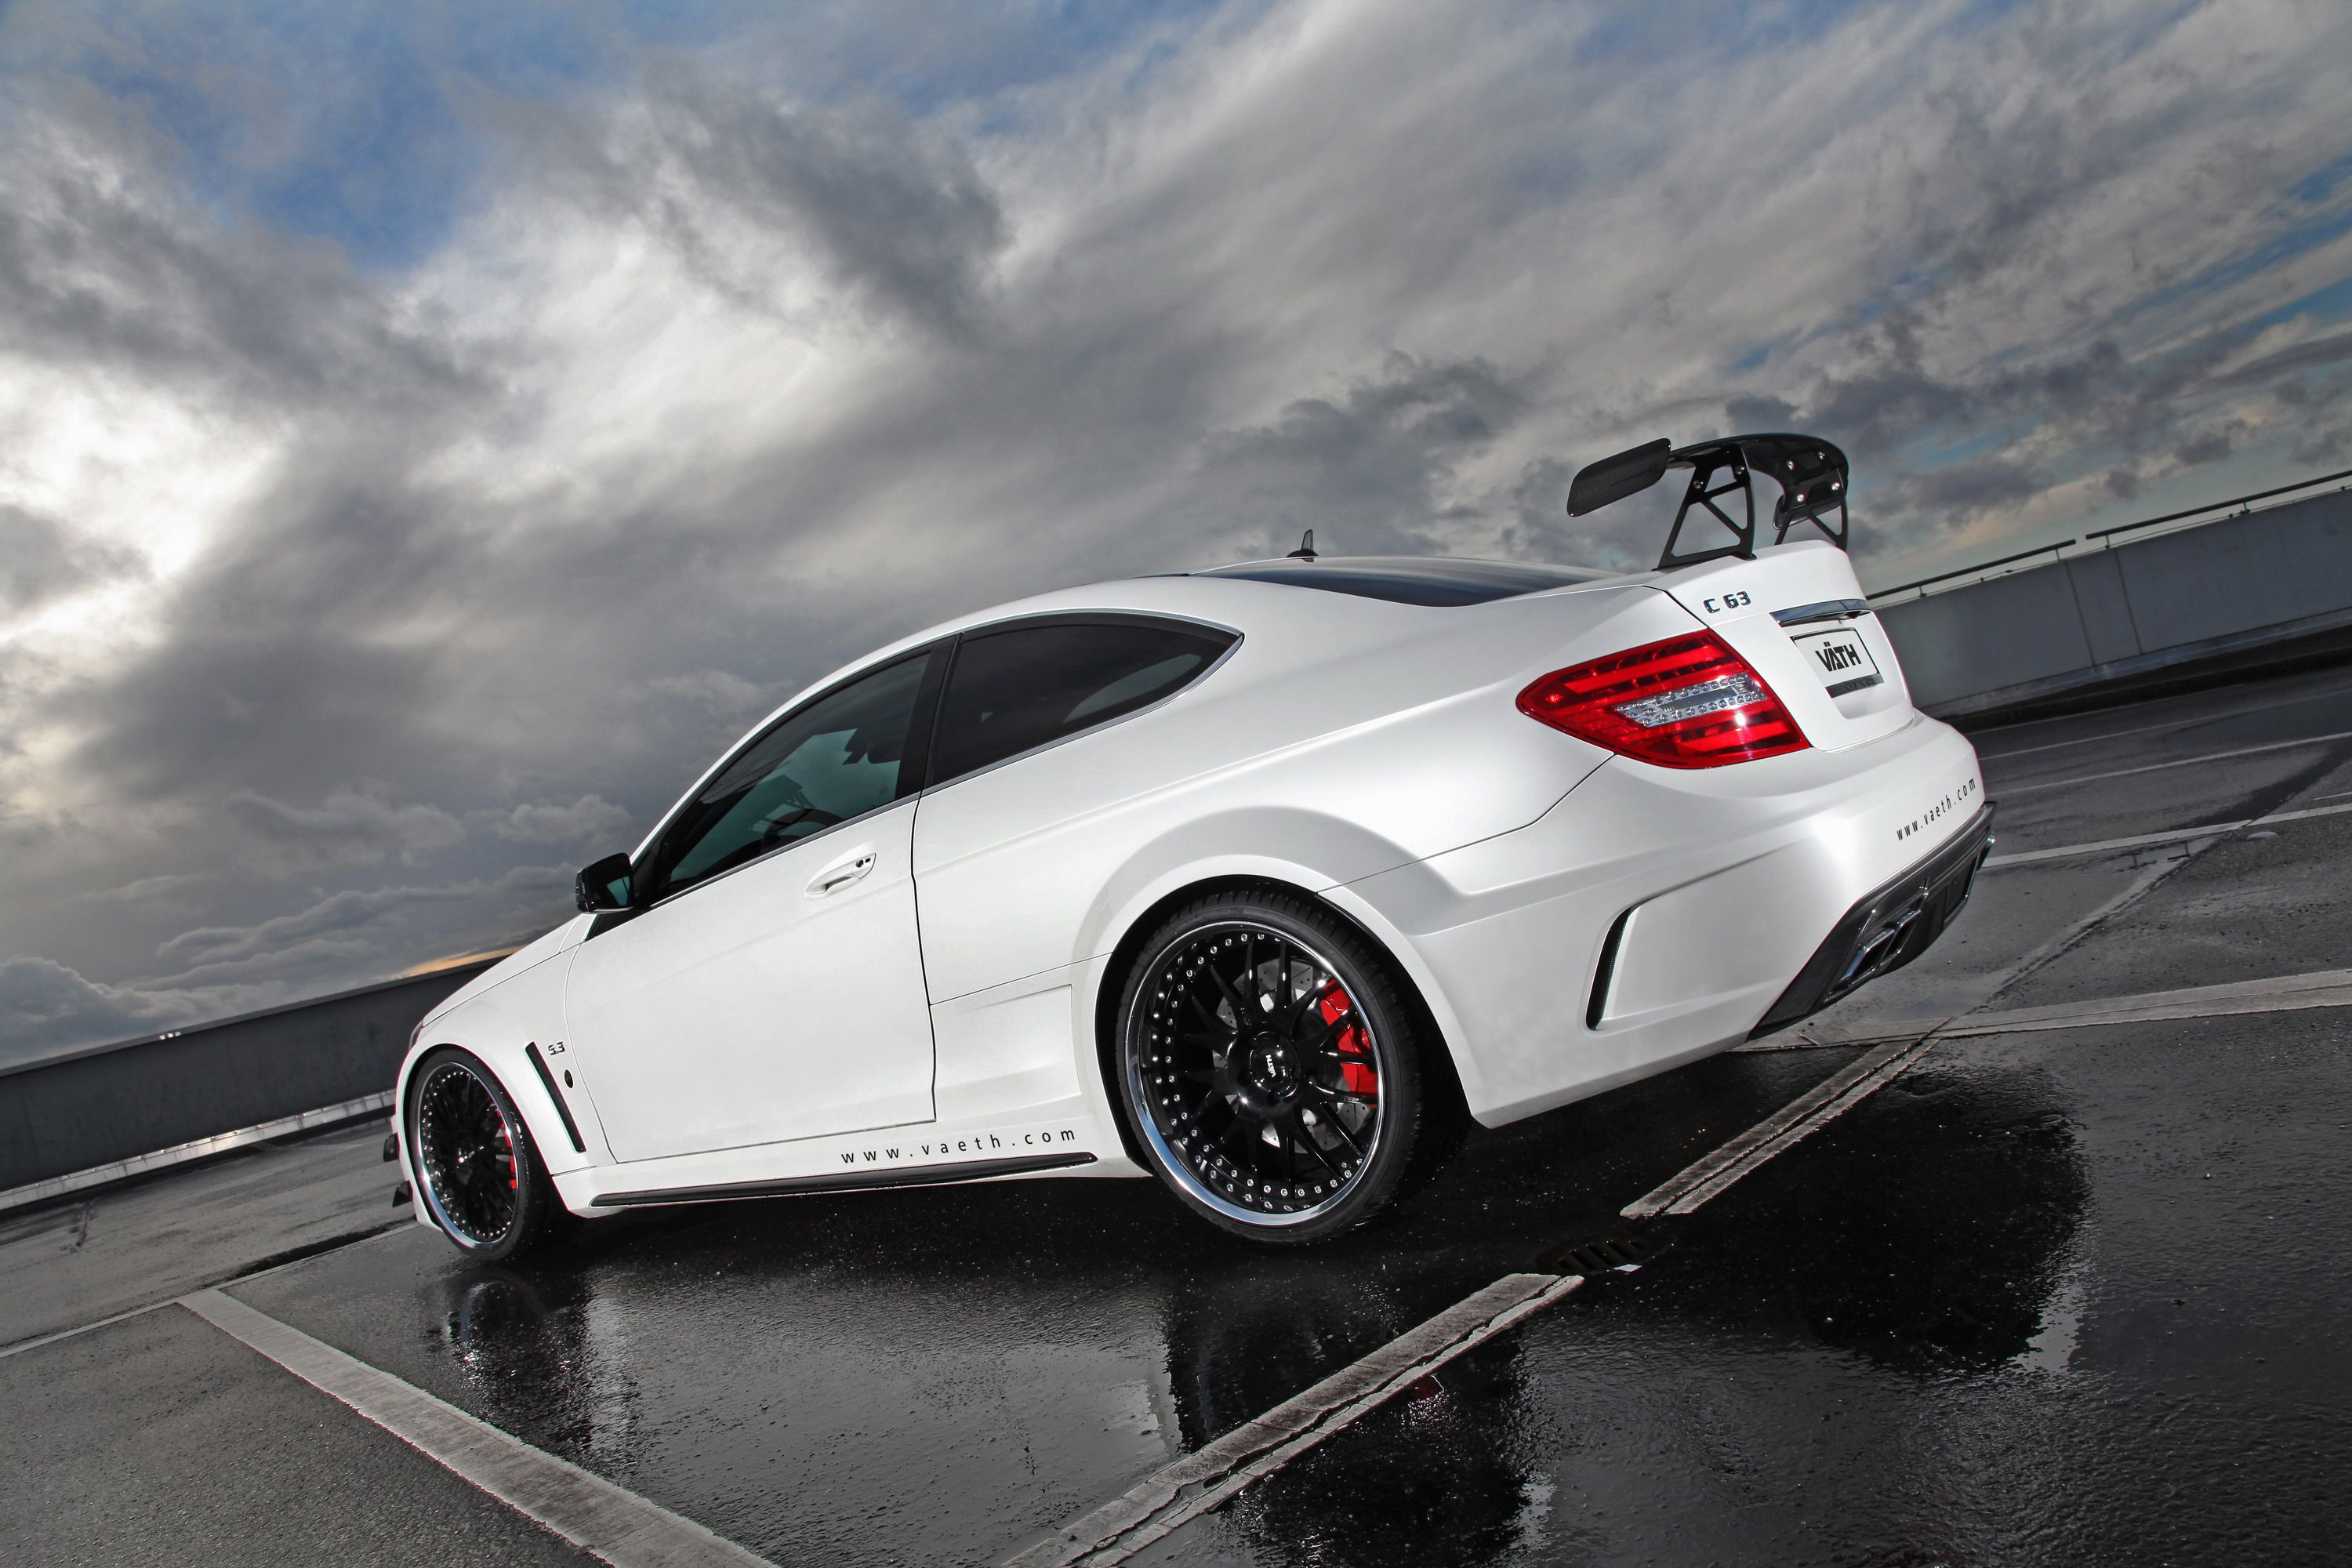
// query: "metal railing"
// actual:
[[1984, 571]]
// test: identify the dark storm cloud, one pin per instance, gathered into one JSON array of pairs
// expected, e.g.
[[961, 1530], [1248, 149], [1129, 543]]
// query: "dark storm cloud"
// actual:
[[1760, 412], [2210, 446], [1964, 491], [344, 915], [1899, 420], [356, 925], [2320, 352], [589, 822], [41, 560], [901, 219], [349, 827], [1622, 538], [45, 1003], [2323, 447], [1889, 397], [124, 272], [1368, 464], [741, 184], [291, 683], [274, 673]]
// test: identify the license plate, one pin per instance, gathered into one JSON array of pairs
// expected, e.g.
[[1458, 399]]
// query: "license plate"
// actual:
[[1842, 660]]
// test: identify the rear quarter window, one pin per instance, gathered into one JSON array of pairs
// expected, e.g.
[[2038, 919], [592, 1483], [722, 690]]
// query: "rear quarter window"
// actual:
[[1013, 690]]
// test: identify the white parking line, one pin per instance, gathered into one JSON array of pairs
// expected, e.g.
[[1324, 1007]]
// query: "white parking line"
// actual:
[[1182, 1491], [2116, 846], [2287, 994], [2077, 718], [21, 1346], [2176, 762], [2149, 840], [1687, 1189], [2318, 988], [2215, 718], [591, 1513], [1842, 1090]]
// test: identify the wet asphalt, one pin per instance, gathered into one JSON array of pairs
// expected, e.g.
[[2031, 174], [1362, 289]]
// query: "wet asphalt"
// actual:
[[2065, 1297]]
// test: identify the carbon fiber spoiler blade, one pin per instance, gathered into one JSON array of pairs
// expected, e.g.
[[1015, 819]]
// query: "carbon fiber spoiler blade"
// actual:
[[1812, 474]]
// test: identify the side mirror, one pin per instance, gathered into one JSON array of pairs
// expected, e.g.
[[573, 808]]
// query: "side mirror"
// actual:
[[603, 885]]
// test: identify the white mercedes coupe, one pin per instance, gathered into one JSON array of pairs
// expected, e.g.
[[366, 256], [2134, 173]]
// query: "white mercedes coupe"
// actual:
[[1265, 881]]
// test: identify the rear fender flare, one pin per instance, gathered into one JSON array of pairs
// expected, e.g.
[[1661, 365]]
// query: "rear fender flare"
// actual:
[[1274, 872]]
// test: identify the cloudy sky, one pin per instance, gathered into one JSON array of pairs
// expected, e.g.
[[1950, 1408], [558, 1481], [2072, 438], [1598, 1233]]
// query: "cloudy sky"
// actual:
[[428, 432]]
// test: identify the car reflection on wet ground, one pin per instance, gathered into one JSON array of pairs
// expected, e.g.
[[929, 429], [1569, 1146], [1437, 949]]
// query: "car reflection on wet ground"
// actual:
[[1029, 1349], [2070, 1295]]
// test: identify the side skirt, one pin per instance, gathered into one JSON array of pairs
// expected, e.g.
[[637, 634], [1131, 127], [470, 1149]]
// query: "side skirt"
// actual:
[[914, 1176]]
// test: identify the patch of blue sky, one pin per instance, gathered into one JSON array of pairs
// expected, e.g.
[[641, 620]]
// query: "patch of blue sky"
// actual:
[[346, 122], [2327, 304], [1001, 112], [2320, 184], [1906, 288], [2124, 32], [1643, 34], [927, 62], [1922, 451], [2282, 246], [352, 121]]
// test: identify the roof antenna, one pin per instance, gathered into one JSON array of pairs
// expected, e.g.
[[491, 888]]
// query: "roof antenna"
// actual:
[[1306, 551]]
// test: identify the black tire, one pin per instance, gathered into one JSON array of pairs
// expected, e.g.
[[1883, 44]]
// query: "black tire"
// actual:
[[464, 1135], [1275, 1072]]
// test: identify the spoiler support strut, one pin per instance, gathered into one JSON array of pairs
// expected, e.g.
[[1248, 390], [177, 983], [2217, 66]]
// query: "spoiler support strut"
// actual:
[[1810, 472]]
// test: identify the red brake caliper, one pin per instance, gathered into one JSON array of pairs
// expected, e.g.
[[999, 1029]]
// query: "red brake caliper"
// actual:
[[1357, 1075], [505, 1135]]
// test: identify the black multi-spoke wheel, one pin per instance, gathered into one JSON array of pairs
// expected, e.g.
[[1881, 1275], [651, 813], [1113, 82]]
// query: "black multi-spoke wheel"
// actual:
[[1271, 1069], [476, 1169]]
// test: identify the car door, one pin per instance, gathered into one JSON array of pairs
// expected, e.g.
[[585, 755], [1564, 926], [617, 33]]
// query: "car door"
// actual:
[[768, 984], [1016, 835]]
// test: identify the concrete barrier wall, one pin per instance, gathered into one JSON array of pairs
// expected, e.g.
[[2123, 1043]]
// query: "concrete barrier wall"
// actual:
[[115, 1102], [2141, 607]]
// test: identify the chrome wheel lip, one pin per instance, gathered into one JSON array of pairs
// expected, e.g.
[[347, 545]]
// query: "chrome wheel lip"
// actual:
[[1139, 1095], [432, 1162]]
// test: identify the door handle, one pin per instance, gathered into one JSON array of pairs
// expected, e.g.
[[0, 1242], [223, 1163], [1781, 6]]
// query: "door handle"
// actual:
[[841, 873]]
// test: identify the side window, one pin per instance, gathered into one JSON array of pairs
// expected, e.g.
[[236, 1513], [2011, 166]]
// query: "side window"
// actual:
[[839, 757], [1021, 688]]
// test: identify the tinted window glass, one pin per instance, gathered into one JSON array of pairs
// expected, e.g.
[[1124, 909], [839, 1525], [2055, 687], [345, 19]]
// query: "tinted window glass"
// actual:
[[837, 758], [1415, 580], [1013, 690]]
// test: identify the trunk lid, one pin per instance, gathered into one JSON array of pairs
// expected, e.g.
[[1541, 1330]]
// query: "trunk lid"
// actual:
[[1797, 614]]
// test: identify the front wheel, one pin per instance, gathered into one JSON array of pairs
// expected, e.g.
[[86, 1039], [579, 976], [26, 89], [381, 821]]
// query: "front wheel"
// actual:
[[477, 1168], [1272, 1069]]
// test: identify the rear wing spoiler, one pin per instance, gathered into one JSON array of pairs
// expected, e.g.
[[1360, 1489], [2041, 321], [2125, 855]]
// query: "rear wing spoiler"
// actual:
[[1812, 474]]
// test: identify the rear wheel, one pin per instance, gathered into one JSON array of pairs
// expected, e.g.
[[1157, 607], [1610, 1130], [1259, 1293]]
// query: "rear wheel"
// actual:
[[477, 1168], [1272, 1069]]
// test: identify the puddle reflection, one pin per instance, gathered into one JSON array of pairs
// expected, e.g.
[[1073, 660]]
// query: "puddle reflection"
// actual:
[[529, 1346], [966, 1369], [1934, 1237], [1942, 1237], [1239, 1346]]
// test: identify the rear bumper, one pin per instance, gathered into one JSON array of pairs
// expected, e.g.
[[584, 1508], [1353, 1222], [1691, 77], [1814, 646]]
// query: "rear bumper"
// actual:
[[1884, 932], [1656, 916]]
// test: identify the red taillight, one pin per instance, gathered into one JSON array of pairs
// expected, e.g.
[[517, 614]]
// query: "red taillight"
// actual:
[[1686, 702]]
